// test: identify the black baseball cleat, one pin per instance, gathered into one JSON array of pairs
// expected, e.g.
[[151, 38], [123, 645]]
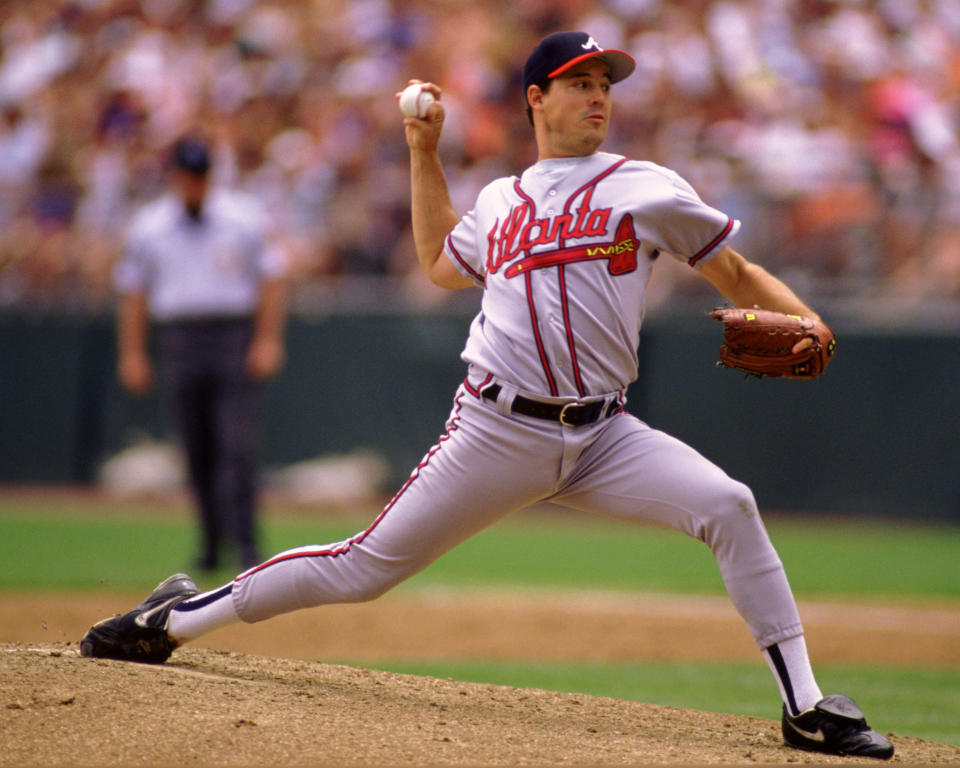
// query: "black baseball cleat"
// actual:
[[141, 634], [835, 726]]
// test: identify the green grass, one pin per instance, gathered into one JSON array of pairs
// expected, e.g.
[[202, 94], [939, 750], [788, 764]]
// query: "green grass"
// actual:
[[61, 548], [57, 552], [60, 544], [73, 543]]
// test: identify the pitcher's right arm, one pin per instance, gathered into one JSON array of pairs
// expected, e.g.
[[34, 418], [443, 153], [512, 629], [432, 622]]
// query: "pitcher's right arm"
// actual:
[[432, 212]]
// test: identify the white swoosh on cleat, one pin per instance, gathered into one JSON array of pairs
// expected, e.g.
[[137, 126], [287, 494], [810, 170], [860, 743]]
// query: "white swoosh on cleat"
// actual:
[[141, 620], [816, 735]]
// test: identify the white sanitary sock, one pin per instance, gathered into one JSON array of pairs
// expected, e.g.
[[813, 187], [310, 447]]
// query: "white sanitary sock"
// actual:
[[790, 665], [202, 614]]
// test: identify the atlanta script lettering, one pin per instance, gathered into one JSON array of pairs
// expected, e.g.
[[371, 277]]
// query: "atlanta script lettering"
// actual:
[[520, 232]]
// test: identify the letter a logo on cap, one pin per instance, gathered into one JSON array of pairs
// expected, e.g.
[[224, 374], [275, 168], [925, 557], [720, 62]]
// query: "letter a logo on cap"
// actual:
[[591, 43]]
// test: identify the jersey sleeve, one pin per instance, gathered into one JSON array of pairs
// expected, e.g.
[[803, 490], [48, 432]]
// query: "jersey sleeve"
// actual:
[[466, 245], [462, 248], [685, 226]]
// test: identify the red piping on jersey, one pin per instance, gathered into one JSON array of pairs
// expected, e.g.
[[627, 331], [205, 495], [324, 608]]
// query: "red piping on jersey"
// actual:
[[456, 254], [476, 391], [571, 343], [561, 277], [536, 335], [345, 547], [563, 293], [711, 245], [593, 182], [528, 284]]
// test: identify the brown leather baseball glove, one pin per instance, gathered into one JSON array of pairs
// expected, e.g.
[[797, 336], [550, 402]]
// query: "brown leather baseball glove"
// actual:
[[761, 342]]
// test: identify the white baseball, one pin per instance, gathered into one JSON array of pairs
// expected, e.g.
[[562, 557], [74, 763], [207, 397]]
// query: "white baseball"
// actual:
[[415, 100]]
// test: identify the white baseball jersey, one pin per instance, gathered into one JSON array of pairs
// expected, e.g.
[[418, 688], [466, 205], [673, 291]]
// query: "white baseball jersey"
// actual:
[[564, 254]]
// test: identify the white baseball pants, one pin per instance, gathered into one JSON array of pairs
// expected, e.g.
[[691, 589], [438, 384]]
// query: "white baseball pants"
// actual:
[[489, 463]]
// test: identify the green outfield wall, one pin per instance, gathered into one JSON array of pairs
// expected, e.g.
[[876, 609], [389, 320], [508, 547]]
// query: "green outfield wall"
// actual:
[[878, 435]]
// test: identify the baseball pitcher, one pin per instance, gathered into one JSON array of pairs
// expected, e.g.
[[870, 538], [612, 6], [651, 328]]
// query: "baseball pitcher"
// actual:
[[563, 254]]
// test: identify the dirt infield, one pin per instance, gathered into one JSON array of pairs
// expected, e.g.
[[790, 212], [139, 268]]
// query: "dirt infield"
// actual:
[[253, 702]]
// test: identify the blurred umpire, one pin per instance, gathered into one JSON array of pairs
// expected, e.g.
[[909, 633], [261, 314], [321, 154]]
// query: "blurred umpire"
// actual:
[[199, 268]]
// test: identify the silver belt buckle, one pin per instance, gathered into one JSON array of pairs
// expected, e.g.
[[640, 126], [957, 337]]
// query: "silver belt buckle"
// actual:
[[563, 414]]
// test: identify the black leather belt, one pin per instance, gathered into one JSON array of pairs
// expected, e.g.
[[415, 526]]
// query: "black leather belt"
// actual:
[[569, 414]]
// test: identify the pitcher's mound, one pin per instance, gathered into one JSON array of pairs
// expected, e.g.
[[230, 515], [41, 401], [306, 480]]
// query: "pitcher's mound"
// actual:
[[208, 707]]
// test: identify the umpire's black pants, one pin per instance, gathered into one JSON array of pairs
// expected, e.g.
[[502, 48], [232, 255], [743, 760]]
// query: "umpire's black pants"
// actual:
[[215, 403]]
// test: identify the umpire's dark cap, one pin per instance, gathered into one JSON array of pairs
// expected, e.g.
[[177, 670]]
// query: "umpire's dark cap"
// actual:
[[556, 53], [191, 155]]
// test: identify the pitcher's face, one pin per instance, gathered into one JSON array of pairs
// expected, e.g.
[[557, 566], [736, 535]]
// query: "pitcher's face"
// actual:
[[576, 111]]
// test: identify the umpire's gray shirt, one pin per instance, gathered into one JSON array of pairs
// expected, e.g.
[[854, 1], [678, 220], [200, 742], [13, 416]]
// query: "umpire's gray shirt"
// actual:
[[192, 269]]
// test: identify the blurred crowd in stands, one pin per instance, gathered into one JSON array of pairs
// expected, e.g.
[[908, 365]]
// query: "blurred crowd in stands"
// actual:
[[829, 127]]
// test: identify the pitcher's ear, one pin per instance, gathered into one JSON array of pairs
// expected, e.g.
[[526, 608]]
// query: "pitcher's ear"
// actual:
[[534, 95]]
